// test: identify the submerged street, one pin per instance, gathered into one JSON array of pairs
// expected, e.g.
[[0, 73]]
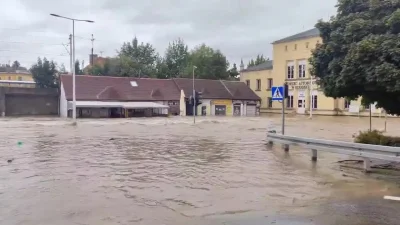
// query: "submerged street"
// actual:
[[169, 171]]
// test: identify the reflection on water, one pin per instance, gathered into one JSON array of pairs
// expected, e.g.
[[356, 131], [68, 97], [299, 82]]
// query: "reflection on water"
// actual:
[[169, 171]]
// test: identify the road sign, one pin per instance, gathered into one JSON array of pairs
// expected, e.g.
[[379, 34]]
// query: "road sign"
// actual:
[[277, 93]]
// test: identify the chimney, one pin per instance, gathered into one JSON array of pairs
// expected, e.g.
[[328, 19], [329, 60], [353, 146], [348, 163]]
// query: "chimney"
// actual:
[[93, 58]]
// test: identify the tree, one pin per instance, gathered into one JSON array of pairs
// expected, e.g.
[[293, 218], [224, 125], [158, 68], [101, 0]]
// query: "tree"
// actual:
[[210, 63], [233, 73], [62, 68], [16, 65], [260, 59], [78, 69], [137, 59], [360, 53], [176, 58], [44, 73]]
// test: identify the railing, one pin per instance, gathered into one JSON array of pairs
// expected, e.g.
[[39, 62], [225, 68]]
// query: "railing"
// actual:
[[365, 151]]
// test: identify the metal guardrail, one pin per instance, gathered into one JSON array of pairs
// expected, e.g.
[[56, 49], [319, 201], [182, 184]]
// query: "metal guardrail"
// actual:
[[365, 151]]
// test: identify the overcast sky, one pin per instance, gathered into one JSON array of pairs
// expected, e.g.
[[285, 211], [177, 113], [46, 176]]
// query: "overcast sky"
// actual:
[[239, 28]]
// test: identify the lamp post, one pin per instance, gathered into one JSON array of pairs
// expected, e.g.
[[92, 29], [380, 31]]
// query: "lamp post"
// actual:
[[73, 61], [194, 99], [311, 97]]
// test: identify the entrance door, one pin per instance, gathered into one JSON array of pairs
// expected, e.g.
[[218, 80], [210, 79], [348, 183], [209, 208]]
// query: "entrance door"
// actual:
[[301, 102], [220, 110], [236, 110], [251, 110]]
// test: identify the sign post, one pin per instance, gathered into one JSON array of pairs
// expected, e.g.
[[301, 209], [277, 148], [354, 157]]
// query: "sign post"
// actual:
[[278, 94]]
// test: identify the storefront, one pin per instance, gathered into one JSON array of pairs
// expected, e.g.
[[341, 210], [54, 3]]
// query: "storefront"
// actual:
[[222, 107], [101, 109]]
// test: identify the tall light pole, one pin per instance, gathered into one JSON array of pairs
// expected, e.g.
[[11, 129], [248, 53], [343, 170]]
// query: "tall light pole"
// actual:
[[311, 97], [194, 99], [73, 61]]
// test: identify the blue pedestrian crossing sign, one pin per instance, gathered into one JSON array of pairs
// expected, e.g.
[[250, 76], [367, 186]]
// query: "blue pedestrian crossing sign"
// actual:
[[277, 93]]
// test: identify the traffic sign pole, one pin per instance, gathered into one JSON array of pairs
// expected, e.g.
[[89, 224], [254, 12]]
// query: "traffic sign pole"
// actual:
[[278, 94], [283, 112]]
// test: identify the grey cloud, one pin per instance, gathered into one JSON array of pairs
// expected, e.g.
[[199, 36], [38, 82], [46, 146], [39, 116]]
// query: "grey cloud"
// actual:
[[241, 29]]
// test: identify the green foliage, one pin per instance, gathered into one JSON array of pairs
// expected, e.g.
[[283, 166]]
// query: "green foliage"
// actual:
[[62, 68], [176, 59], [233, 72], [111, 67], [210, 63], [376, 137], [259, 60], [78, 68], [360, 53], [44, 73], [16, 65], [137, 59]]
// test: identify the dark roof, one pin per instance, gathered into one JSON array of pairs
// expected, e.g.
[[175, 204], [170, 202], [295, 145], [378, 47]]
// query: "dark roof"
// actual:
[[148, 89], [120, 88], [211, 89], [217, 89], [268, 65], [240, 91], [303, 35]]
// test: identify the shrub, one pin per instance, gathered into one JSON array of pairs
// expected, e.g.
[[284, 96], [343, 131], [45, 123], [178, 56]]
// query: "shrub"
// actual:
[[376, 137]]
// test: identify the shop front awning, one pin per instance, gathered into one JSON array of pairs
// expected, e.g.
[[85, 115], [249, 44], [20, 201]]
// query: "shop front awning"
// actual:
[[126, 105]]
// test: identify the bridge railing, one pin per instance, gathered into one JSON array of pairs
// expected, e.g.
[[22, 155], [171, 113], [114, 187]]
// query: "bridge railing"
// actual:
[[365, 151]]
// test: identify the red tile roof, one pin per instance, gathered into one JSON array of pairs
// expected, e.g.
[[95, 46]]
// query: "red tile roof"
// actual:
[[120, 88], [149, 89], [217, 89]]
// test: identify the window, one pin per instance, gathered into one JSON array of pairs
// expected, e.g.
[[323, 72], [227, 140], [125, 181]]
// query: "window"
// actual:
[[315, 101], [258, 85], [19, 78], [302, 69], [270, 83], [307, 44], [289, 102], [248, 83], [9, 78], [290, 70], [346, 104], [269, 102], [285, 47], [295, 46]]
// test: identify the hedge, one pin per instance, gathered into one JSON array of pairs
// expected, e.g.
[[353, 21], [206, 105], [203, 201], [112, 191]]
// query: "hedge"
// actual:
[[376, 137]]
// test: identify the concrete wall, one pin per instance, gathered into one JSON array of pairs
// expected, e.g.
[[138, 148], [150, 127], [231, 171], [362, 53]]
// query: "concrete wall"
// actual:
[[63, 103], [28, 101]]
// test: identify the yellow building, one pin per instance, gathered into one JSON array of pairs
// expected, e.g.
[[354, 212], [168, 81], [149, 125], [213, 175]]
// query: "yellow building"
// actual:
[[290, 65], [17, 79]]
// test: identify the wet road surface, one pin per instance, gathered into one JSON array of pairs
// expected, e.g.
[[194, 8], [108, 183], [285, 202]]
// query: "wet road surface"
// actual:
[[169, 171]]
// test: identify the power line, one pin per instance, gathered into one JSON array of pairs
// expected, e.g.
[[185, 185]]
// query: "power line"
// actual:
[[37, 53], [30, 43]]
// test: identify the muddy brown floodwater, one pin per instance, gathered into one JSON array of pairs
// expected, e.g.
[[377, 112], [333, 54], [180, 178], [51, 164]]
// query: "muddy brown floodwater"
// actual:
[[169, 171]]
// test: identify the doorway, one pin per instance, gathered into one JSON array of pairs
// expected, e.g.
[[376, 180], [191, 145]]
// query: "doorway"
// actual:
[[220, 110]]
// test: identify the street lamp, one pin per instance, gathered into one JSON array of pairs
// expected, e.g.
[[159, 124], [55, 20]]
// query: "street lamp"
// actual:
[[73, 61]]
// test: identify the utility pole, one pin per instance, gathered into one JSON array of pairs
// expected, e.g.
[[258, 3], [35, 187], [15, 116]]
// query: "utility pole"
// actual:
[[71, 64], [91, 58], [194, 99]]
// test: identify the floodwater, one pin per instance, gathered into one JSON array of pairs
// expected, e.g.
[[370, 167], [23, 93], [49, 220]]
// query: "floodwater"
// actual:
[[169, 171]]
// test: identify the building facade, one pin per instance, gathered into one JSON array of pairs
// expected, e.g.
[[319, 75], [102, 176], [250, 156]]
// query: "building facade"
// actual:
[[103, 96], [16, 78], [290, 65], [220, 98]]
